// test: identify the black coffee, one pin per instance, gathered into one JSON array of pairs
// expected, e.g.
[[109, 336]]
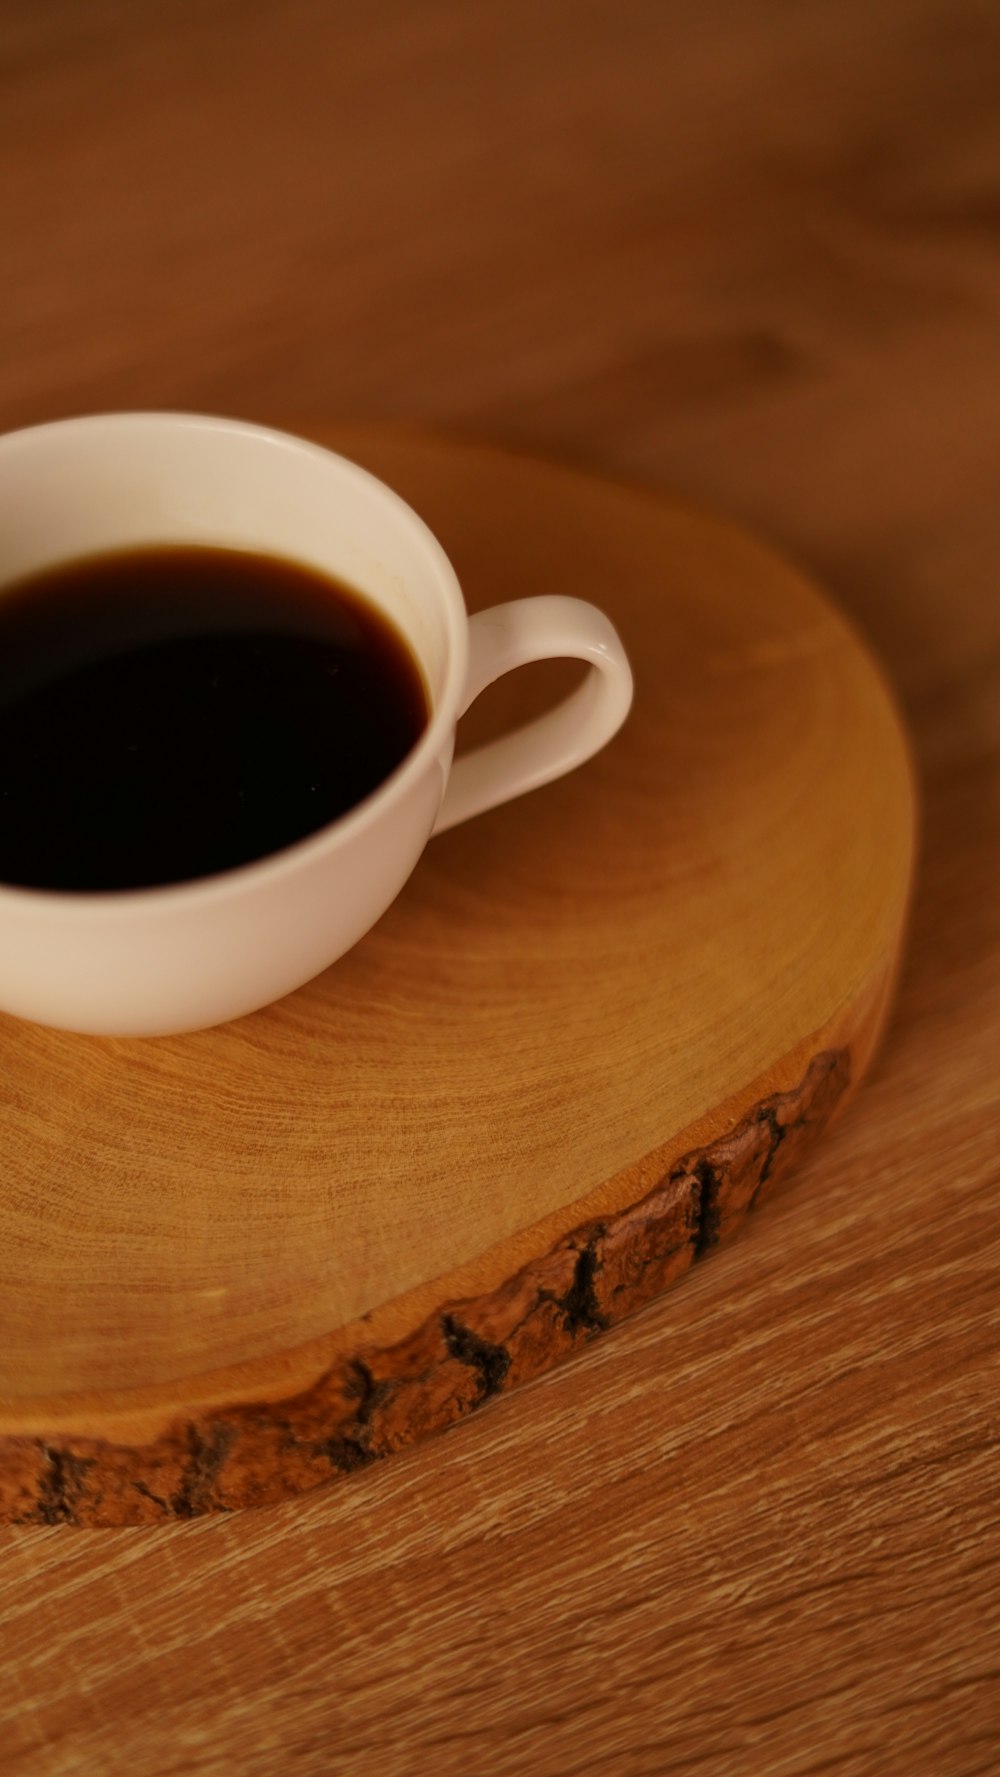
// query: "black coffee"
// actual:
[[167, 713]]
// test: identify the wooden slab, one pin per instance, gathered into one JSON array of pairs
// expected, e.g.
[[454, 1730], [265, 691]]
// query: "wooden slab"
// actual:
[[594, 1025]]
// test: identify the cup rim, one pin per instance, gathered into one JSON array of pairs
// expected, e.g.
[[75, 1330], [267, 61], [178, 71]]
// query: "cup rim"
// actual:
[[246, 878]]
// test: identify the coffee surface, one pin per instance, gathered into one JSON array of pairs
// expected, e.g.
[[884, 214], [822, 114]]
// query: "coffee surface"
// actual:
[[167, 713]]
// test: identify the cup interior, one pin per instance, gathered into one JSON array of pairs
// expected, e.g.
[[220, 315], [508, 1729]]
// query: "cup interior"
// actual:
[[81, 487]]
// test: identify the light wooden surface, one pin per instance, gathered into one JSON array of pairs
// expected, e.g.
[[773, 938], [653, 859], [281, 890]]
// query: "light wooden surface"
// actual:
[[746, 252], [593, 1030]]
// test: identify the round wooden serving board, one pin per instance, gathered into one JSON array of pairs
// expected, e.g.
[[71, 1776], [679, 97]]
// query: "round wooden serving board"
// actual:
[[595, 1023]]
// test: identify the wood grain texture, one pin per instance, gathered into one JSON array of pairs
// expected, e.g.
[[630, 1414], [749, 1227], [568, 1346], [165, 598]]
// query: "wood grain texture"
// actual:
[[375, 1400], [743, 251], [211, 1242]]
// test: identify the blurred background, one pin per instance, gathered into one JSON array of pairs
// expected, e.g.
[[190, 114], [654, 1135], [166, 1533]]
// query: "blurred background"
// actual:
[[749, 248]]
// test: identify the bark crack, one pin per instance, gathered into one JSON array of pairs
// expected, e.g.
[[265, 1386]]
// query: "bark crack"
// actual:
[[63, 1485], [147, 1493], [580, 1307], [707, 1217], [206, 1455], [346, 1454], [490, 1362], [767, 1114], [351, 1449]]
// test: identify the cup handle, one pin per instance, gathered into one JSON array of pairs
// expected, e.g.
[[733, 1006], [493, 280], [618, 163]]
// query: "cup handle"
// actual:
[[512, 635]]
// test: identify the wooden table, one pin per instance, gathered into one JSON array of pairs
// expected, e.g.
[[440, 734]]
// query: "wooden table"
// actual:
[[747, 252]]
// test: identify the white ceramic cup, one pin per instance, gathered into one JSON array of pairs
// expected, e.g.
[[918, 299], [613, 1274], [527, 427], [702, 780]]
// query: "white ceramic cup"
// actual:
[[153, 961]]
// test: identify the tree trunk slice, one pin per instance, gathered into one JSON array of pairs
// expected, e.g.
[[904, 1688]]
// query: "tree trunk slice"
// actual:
[[594, 1027]]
